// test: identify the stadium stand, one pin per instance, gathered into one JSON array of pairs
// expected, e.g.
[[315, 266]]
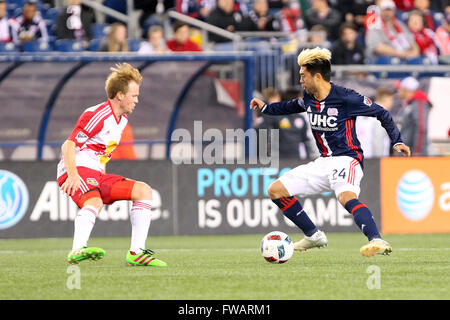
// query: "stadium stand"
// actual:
[[274, 52]]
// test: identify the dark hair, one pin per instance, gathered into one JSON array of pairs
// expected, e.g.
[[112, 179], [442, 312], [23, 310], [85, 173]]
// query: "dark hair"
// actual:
[[178, 24], [320, 66], [347, 25]]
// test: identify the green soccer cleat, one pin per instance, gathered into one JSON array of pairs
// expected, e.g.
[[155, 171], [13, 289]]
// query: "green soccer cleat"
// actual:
[[145, 258], [84, 253]]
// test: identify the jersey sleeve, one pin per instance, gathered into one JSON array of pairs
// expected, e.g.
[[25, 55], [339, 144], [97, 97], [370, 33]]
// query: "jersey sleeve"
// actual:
[[87, 126], [284, 107], [359, 105]]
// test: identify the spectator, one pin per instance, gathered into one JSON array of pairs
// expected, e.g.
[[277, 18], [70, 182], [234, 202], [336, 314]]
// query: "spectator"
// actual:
[[75, 21], [322, 14], [408, 5], [152, 12], [155, 43], [373, 137], [404, 5], [278, 4], [355, 12], [346, 50], [423, 6], [198, 9], [290, 16], [443, 36], [412, 118], [5, 24], [387, 36], [259, 18], [425, 38], [318, 35], [29, 26], [224, 16], [181, 41], [116, 40]]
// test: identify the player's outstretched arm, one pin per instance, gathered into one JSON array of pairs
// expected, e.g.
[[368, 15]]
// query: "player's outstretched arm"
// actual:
[[72, 182], [403, 149], [278, 108], [256, 104]]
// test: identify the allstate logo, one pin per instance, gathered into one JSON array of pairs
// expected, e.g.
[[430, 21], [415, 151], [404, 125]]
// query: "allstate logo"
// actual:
[[415, 195], [13, 199]]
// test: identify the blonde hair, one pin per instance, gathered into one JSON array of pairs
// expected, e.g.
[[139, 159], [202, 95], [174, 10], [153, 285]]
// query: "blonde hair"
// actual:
[[120, 77], [312, 56], [317, 60]]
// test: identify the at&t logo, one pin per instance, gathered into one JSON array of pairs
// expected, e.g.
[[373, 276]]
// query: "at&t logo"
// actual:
[[415, 195], [13, 199]]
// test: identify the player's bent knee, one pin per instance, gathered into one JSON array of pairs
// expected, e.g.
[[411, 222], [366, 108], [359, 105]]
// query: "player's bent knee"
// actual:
[[141, 191], [346, 196], [96, 202], [276, 190]]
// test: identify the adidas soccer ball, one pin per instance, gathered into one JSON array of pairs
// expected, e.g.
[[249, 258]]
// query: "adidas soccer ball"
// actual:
[[277, 247]]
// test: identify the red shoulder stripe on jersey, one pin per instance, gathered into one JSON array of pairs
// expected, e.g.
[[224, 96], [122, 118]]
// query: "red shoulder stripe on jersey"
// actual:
[[96, 118], [98, 127], [95, 114]]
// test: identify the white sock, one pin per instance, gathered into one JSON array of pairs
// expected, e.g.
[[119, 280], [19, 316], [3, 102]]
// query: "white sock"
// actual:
[[140, 217], [84, 222]]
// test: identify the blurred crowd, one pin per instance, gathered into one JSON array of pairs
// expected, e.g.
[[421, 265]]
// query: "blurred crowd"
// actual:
[[357, 32]]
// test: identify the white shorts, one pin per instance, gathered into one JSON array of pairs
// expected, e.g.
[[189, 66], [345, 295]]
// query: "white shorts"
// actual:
[[324, 174]]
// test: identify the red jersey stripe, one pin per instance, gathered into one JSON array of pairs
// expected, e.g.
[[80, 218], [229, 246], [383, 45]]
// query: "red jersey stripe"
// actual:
[[96, 113], [325, 151], [349, 136]]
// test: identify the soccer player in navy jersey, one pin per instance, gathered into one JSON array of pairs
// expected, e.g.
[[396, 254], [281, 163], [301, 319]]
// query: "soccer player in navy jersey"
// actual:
[[332, 112]]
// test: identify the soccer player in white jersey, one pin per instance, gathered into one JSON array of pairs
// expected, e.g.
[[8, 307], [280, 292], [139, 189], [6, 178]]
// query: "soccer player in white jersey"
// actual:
[[81, 171], [332, 112]]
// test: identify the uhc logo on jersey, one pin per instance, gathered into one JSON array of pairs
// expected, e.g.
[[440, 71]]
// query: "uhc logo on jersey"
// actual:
[[322, 122]]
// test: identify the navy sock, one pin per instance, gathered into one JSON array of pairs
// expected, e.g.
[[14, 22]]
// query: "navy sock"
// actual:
[[294, 211], [363, 218]]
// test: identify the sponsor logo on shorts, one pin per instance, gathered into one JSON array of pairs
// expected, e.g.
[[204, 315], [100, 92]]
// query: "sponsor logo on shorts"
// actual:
[[92, 181]]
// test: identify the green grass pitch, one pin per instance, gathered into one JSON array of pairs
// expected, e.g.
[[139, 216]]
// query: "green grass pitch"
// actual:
[[230, 267]]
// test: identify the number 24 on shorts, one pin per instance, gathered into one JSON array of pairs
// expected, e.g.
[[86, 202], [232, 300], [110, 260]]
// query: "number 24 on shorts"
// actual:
[[336, 175]]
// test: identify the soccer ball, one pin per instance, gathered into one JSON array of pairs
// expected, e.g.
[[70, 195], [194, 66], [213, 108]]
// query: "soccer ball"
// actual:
[[277, 247]]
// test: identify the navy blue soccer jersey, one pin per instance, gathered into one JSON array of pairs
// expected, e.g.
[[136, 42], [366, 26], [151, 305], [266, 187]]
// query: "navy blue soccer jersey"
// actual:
[[332, 120]]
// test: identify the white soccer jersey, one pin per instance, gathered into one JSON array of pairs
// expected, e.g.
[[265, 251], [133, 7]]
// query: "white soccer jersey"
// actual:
[[96, 135]]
